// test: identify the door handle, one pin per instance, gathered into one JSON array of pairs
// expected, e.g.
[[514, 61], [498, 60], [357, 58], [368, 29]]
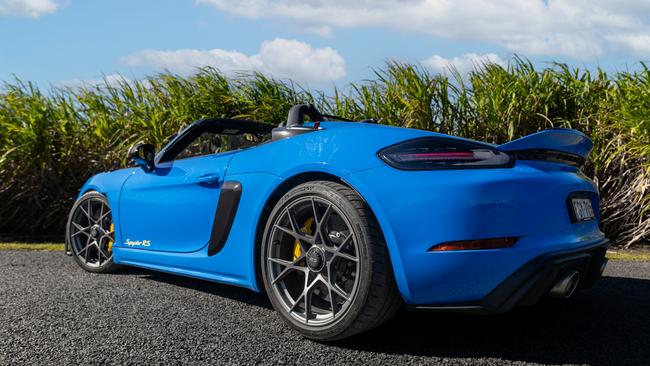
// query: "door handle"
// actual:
[[207, 180]]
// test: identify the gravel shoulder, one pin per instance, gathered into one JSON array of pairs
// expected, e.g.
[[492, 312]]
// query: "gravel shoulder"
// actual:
[[52, 312]]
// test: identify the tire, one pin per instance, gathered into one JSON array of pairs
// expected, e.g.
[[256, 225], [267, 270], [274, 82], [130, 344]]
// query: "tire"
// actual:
[[89, 233], [330, 278]]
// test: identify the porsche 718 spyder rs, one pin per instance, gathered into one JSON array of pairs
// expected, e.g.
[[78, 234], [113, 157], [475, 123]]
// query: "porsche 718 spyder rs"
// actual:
[[340, 222]]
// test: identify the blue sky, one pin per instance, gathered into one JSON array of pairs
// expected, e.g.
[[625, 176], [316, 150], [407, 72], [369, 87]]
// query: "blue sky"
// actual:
[[317, 42]]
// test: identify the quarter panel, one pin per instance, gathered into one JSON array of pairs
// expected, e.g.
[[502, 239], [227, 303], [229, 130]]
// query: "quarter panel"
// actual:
[[339, 149]]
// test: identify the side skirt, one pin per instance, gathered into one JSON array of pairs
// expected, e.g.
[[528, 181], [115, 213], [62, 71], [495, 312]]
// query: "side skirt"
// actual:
[[185, 272]]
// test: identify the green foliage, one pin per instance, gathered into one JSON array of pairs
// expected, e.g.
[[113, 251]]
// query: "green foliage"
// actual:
[[50, 143]]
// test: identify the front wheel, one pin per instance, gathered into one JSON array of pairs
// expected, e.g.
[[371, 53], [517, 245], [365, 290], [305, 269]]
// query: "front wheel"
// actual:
[[90, 233], [325, 264]]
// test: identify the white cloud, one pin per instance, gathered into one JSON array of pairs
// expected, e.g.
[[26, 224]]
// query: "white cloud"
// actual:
[[639, 44], [185, 61], [463, 63], [280, 58], [27, 8], [106, 80], [581, 29]]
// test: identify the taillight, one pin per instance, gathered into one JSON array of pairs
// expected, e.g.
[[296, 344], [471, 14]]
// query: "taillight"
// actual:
[[443, 153]]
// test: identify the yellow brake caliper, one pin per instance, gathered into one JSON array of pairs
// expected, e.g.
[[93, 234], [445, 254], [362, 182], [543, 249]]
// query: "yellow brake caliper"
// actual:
[[110, 241], [307, 230]]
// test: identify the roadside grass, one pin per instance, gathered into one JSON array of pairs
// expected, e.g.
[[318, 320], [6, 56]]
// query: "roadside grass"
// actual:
[[628, 255], [634, 255], [33, 246]]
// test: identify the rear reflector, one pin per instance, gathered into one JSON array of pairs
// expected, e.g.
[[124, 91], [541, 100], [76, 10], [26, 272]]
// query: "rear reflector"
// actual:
[[494, 243]]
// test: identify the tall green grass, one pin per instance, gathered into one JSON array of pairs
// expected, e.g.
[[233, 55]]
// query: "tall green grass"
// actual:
[[51, 142]]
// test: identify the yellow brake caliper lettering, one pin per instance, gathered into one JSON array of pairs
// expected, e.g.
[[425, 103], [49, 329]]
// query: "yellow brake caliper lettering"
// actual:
[[307, 230]]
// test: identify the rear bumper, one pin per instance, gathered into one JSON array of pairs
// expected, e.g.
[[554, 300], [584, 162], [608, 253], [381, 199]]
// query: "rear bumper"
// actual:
[[534, 279]]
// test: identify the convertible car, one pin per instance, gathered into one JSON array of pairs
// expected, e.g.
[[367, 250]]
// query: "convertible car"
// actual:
[[341, 223]]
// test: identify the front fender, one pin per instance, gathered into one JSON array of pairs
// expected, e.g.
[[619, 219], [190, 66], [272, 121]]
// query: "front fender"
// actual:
[[110, 185]]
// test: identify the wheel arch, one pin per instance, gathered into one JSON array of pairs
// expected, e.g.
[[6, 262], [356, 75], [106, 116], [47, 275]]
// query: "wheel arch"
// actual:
[[311, 176], [272, 200], [85, 190]]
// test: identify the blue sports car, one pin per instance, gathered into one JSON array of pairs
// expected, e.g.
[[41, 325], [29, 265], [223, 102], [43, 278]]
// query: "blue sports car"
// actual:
[[341, 223]]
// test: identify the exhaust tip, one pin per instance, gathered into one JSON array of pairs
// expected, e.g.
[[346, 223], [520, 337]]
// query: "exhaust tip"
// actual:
[[566, 285]]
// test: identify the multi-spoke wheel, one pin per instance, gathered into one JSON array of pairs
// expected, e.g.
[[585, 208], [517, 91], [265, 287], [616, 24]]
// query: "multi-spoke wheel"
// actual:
[[90, 233], [325, 264]]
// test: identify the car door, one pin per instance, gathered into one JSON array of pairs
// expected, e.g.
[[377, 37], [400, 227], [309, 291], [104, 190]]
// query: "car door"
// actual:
[[172, 208]]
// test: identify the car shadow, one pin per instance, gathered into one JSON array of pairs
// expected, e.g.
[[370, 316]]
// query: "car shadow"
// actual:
[[609, 324], [227, 291]]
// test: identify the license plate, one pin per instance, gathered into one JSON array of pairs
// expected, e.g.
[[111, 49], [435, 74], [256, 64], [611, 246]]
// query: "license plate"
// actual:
[[582, 209]]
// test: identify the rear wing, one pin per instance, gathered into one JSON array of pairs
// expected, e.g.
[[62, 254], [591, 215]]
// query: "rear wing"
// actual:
[[558, 145]]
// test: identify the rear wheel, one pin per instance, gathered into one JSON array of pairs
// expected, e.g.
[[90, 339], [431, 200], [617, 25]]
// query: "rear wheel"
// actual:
[[325, 264], [90, 233]]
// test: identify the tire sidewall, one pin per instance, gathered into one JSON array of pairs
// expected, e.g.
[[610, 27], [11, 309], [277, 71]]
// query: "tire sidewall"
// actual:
[[364, 253], [108, 265]]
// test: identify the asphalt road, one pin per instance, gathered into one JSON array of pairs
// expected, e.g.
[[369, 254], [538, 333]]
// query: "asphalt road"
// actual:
[[53, 313]]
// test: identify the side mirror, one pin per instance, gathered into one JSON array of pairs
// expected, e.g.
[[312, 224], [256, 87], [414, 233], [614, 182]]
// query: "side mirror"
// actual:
[[143, 156]]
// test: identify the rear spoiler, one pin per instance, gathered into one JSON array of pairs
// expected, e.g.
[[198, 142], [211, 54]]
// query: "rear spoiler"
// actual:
[[558, 145]]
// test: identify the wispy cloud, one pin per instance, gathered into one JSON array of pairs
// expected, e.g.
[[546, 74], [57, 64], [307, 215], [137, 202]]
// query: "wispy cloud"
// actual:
[[28, 8], [280, 58], [581, 29], [463, 63]]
